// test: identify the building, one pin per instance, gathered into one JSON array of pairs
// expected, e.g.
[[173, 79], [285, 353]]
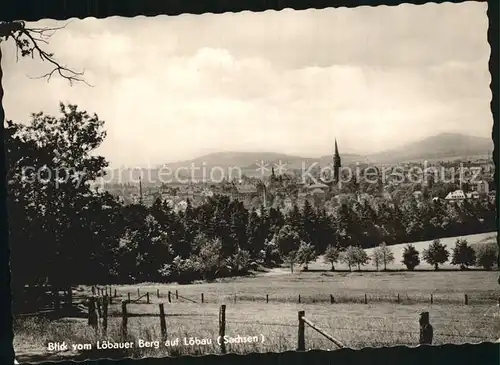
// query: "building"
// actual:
[[482, 187], [181, 206], [288, 203], [337, 164], [244, 191], [472, 195], [418, 194], [319, 186], [457, 195]]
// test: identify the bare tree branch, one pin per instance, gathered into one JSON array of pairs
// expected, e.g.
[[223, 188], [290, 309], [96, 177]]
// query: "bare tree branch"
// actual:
[[27, 42]]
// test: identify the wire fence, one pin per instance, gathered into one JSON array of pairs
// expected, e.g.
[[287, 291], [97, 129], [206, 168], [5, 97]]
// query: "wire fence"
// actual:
[[142, 313], [443, 321]]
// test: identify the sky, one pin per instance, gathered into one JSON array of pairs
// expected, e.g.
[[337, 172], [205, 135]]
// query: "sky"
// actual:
[[175, 88]]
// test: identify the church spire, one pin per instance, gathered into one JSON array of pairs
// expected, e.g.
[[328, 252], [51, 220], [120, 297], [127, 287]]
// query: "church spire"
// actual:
[[140, 190], [336, 164]]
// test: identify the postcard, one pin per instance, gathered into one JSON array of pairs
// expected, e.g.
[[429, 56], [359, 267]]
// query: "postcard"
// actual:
[[250, 182]]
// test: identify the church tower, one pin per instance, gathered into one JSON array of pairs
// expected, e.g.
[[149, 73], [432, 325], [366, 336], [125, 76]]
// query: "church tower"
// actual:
[[336, 165]]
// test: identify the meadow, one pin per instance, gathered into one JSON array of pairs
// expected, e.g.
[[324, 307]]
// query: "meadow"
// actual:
[[382, 321]]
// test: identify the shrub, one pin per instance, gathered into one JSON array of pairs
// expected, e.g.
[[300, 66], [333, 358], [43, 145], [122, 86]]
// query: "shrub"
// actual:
[[463, 254], [239, 262], [411, 257], [486, 255]]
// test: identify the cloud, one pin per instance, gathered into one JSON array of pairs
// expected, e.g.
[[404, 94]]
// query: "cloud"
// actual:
[[173, 88]]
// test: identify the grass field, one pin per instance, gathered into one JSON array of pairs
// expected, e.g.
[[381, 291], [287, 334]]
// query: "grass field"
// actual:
[[381, 322], [397, 250]]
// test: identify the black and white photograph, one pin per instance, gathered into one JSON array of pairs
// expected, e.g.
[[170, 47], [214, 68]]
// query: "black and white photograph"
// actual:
[[250, 182]]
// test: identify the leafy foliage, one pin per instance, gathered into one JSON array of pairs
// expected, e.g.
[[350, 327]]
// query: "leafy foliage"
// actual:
[[463, 254], [411, 257], [386, 254], [305, 254], [436, 254], [355, 255], [63, 231], [486, 255], [377, 258], [332, 255]]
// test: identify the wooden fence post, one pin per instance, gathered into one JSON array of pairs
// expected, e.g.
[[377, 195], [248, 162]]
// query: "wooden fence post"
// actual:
[[432, 298], [163, 325], [69, 298], [202, 299], [158, 293], [176, 294], [332, 299], [93, 290], [138, 293], [466, 299], [267, 298], [299, 298], [105, 315], [222, 327], [92, 320], [57, 301], [169, 297], [301, 344], [99, 306], [366, 299], [234, 298], [128, 296], [124, 320], [147, 297], [398, 298], [110, 299], [115, 293]]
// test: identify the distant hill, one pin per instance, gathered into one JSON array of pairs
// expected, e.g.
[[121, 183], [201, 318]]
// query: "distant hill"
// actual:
[[250, 160], [442, 146]]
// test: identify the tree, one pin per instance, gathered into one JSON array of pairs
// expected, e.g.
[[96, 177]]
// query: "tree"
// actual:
[[355, 255], [210, 259], [270, 255], [305, 254], [349, 256], [361, 257], [240, 262], [463, 254], [287, 240], [51, 163], [486, 255], [28, 40], [436, 254], [377, 257], [332, 255], [290, 259], [386, 254], [411, 257]]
